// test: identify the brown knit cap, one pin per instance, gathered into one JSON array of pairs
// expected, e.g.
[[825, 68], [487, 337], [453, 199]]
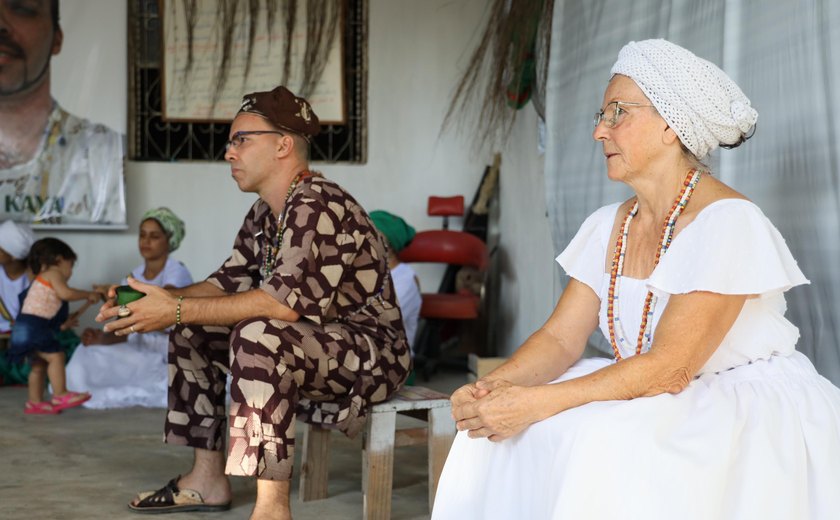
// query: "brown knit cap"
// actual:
[[284, 110]]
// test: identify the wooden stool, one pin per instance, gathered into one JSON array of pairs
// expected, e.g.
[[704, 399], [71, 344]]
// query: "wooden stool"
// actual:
[[380, 438]]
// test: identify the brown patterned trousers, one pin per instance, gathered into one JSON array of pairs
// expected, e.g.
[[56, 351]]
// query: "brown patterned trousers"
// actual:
[[274, 365]]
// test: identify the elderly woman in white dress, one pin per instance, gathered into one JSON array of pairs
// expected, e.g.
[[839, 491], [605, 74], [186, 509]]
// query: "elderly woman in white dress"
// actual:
[[707, 410], [121, 371]]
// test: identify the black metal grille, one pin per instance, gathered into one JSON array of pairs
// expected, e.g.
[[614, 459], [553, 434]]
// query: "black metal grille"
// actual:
[[153, 139]]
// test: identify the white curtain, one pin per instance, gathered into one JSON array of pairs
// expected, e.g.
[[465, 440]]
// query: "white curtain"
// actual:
[[785, 55]]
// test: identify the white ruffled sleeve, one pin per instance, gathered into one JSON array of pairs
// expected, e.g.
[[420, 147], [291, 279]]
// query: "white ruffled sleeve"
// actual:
[[585, 256], [730, 248]]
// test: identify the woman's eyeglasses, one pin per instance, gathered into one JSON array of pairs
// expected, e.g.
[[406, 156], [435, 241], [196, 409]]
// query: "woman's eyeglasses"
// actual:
[[612, 116]]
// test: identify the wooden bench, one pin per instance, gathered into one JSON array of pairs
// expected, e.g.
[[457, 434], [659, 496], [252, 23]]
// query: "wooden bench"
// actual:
[[380, 438]]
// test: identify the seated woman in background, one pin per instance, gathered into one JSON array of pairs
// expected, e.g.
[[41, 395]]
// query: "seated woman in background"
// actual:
[[121, 371], [15, 241], [399, 234]]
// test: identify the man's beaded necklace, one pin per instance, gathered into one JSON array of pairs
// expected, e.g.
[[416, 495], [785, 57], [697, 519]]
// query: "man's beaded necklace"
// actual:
[[272, 247], [617, 335]]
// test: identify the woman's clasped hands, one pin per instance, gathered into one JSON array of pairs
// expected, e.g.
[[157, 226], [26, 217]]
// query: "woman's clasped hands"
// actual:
[[495, 409]]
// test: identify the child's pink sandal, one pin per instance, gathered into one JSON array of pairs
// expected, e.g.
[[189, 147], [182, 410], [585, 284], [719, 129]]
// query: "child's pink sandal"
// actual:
[[69, 400], [42, 408]]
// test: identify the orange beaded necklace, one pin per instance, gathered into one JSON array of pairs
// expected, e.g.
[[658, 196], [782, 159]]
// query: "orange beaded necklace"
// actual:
[[617, 335]]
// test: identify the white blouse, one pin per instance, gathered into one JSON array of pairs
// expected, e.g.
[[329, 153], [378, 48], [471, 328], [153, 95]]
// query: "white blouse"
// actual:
[[729, 248]]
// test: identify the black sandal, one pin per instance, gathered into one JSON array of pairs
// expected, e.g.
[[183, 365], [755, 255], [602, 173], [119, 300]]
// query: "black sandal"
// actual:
[[171, 499]]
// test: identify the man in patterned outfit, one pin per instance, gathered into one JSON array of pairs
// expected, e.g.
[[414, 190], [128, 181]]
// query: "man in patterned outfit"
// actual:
[[303, 313]]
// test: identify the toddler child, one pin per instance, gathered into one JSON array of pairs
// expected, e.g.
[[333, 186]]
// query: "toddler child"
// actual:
[[44, 311]]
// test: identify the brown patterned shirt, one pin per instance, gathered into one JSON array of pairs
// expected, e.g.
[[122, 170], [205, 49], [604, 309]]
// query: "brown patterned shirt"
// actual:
[[332, 269]]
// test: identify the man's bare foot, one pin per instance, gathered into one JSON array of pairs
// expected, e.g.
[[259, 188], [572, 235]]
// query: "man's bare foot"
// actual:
[[207, 477], [214, 490]]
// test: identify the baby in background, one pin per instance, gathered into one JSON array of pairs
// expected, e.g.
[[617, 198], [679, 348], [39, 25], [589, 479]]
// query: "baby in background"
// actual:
[[44, 312]]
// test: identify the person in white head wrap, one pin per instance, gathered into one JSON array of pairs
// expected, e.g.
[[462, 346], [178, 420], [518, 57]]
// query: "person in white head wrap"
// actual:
[[707, 409], [698, 100], [15, 241]]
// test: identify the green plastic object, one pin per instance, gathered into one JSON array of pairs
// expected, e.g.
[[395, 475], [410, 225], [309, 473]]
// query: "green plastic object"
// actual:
[[125, 294]]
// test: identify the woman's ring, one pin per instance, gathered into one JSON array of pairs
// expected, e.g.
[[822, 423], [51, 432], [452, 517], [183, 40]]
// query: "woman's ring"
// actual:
[[124, 311], [132, 329]]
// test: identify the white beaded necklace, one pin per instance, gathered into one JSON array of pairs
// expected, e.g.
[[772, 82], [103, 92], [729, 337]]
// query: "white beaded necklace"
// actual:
[[616, 329]]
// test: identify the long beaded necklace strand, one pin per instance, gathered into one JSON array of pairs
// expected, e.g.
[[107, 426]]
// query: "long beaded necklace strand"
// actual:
[[271, 249], [613, 321]]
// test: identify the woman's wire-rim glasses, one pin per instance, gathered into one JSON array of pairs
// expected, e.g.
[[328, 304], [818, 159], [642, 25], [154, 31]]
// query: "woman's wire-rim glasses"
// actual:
[[618, 109], [238, 138]]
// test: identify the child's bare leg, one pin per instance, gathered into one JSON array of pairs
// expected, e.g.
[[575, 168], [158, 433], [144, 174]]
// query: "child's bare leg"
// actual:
[[55, 371], [37, 380]]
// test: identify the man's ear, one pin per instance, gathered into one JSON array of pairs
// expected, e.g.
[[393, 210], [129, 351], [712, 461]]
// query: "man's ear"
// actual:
[[58, 39], [285, 145]]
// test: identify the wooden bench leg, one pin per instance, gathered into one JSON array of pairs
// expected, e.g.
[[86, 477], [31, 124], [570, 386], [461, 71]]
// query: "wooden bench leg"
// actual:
[[315, 461], [441, 435], [378, 466]]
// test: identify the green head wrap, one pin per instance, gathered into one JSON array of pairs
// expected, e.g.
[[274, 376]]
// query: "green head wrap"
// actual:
[[171, 224], [395, 229]]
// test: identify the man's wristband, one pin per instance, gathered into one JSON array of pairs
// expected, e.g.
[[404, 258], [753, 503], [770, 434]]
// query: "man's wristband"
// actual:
[[178, 311]]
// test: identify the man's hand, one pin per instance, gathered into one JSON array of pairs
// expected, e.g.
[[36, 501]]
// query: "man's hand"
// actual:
[[502, 411], [155, 311]]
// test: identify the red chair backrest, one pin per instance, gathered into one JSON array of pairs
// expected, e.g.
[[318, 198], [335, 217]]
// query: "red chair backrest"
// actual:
[[447, 247], [446, 206]]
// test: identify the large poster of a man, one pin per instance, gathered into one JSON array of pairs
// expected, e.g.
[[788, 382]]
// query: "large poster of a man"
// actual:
[[55, 167]]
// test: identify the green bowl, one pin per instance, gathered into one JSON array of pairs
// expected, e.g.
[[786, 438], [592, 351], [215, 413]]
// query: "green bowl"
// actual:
[[125, 294]]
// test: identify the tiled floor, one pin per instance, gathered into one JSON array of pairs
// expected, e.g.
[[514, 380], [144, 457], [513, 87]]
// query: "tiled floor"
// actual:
[[88, 464]]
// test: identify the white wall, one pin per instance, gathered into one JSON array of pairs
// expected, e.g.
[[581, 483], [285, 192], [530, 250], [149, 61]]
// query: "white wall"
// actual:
[[417, 51], [529, 274]]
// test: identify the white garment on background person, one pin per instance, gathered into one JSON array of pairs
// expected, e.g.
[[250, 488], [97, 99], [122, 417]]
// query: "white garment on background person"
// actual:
[[132, 373], [10, 291], [75, 177], [408, 296]]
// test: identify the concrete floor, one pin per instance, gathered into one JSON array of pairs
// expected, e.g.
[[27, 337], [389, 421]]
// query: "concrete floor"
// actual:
[[87, 464]]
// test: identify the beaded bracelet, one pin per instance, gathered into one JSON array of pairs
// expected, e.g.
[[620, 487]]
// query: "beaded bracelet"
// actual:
[[178, 311]]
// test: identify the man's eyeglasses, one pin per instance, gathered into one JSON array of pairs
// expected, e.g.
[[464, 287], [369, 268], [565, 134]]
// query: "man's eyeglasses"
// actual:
[[238, 138], [612, 116]]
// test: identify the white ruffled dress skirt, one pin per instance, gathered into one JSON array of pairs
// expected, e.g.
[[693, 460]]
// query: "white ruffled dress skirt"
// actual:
[[760, 441]]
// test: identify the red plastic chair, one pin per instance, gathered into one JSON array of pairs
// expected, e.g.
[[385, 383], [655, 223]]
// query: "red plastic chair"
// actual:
[[457, 249]]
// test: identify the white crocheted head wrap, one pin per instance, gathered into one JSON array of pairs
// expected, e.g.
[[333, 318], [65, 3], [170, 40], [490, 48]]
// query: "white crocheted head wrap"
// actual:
[[16, 239], [697, 99]]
